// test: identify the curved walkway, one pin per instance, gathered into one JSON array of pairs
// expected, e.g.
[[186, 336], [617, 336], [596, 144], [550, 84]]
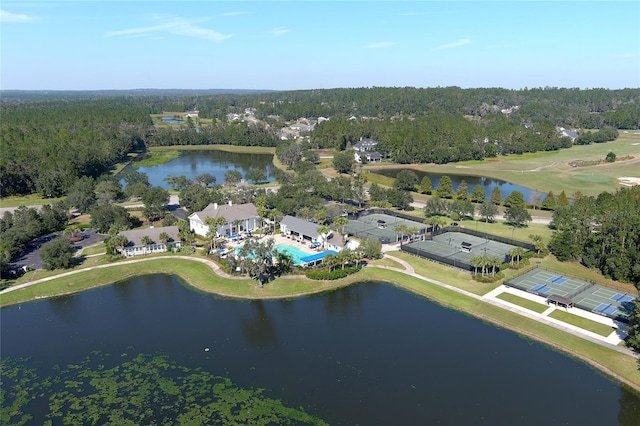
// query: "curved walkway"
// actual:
[[408, 270], [490, 298]]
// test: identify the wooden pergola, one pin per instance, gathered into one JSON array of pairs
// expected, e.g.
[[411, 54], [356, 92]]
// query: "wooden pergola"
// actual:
[[560, 301]]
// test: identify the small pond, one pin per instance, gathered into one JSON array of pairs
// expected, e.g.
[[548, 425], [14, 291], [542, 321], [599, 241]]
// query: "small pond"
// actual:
[[486, 182], [172, 120], [214, 162], [369, 354]]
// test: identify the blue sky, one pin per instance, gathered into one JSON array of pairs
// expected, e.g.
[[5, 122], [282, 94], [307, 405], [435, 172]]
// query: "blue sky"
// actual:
[[82, 45]]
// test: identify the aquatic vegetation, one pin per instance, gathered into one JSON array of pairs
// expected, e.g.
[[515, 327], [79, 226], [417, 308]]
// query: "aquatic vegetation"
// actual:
[[131, 390]]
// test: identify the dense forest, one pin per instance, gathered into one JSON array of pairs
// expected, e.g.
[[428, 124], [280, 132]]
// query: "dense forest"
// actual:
[[50, 139], [603, 232]]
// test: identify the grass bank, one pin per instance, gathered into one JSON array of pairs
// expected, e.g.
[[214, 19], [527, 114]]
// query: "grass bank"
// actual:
[[199, 275], [155, 158]]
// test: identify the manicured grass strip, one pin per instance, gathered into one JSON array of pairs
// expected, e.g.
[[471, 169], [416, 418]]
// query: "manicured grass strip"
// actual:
[[94, 249], [219, 147], [583, 323], [155, 158], [521, 301], [385, 261], [620, 366]]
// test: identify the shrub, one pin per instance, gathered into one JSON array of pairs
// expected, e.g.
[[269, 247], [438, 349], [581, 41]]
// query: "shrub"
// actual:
[[327, 275]]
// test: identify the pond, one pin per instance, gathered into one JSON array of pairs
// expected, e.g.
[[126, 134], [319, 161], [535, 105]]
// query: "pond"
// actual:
[[369, 354], [486, 182], [172, 120], [214, 162]]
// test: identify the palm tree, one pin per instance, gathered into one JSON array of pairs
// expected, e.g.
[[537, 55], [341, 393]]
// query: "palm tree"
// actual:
[[494, 262], [436, 222], [146, 240], [475, 262], [537, 242], [412, 231], [330, 261], [213, 223], [516, 253], [276, 216], [340, 222], [164, 237], [323, 231], [400, 229]]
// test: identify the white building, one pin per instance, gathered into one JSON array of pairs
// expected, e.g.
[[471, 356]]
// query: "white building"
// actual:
[[238, 218], [135, 247]]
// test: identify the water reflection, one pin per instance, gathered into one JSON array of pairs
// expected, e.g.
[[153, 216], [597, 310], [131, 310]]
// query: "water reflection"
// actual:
[[214, 162], [472, 181], [258, 327]]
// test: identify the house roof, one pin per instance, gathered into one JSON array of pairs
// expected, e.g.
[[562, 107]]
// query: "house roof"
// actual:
[[336, 239], [229, 211], [135, 236], [365, 144], [300, 226]]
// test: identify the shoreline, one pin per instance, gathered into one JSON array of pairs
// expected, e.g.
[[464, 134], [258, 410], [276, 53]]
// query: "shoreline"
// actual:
[[211, 280]]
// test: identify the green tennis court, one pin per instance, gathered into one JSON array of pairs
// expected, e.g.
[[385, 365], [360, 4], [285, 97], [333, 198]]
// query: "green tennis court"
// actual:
[[459, 248], [381, 227]]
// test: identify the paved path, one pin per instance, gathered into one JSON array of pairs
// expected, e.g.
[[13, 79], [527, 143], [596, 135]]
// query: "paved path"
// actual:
[[534, 219], [609, 341]]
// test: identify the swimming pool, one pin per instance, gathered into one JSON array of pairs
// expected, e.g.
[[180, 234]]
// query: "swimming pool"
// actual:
[[300, 257], [294, 251]]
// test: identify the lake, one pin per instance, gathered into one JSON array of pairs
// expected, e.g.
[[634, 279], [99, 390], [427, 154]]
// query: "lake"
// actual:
[[486, 182], [369, 354], [215, 162]]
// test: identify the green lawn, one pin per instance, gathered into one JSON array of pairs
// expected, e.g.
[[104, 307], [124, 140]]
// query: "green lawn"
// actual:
[[521, 301], [27, 200], [94, 249], [544, 171], [583, 323]]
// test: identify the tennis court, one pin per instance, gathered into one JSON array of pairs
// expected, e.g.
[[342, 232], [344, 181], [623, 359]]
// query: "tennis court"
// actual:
[[457, 248], [546, 283], [379, 226], [604, 301], [587, 296]]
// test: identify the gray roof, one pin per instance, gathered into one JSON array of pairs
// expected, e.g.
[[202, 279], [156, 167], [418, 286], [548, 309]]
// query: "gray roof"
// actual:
[[300, 226], [365, 144], [135, 236], [229, 212]]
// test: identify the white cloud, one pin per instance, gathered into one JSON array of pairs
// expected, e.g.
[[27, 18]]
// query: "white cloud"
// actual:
[[454, 44], [379, 45], [6, 16], [279, 31], [175, 26]]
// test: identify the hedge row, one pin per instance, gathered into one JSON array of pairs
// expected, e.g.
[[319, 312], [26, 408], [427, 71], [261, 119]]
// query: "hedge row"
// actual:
[[324, 274]]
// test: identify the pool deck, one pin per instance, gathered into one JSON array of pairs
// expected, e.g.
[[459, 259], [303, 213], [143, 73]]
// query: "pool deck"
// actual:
[[279, 239]]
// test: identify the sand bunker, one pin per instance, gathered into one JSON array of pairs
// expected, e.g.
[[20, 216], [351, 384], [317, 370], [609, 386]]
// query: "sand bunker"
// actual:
[[629, 181]]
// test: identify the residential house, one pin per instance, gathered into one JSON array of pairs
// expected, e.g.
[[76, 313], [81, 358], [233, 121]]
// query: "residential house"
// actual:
[[238, 218], [365, 150], [571, 134], [135, 247], [364, 145]]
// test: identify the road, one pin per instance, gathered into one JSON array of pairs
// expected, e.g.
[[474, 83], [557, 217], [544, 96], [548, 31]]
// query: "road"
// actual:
[[31, 256], [534, 219]]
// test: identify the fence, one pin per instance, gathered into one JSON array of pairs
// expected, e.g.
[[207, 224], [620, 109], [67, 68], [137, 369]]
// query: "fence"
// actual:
[[484, 235], [451, 261]]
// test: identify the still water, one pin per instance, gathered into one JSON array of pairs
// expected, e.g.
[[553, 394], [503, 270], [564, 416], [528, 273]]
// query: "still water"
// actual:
[[214, 162], [486, 182], [370, 354]]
